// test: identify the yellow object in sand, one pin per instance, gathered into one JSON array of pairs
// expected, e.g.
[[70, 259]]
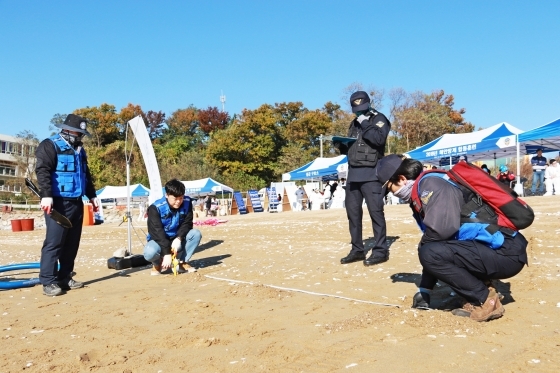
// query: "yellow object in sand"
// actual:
[[175, 264]]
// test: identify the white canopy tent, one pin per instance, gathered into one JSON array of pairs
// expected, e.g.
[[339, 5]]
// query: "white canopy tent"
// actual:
[[114, 192], [318, 169], [204, 187]]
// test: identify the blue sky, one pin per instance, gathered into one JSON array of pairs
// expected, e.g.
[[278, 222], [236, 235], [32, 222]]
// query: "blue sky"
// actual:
[[500, 59]]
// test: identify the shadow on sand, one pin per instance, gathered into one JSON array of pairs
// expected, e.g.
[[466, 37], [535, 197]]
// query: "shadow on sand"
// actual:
[[208, 245], [209, 262]]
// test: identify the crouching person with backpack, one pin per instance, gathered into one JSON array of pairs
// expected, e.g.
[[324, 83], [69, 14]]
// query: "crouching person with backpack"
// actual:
[[466, 241]]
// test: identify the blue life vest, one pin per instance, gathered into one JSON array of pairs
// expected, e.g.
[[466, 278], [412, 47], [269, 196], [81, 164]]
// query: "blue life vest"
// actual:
[[468, 231], [171, 219], [69, 178]]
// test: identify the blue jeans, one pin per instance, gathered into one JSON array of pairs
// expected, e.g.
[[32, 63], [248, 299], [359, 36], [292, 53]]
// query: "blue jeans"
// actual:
[[152, 250], [538, 176]]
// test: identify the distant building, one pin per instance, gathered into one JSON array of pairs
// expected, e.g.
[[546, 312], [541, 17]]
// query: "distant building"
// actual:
[[13, 156]]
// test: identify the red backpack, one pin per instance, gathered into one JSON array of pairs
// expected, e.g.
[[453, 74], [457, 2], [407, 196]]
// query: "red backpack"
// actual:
[[485, 197]]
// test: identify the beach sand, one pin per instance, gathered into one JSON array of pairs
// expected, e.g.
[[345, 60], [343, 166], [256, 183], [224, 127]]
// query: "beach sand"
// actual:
[[129, 321]]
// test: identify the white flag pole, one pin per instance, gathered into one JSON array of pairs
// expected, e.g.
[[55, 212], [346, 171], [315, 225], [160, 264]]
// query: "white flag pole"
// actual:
[[128, 213]]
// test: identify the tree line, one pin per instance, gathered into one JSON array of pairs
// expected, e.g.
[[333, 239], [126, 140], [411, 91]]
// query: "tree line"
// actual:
[[250, 149]]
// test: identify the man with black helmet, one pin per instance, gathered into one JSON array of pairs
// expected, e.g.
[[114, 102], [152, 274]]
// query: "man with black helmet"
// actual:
[[63, 177], [370, 128]]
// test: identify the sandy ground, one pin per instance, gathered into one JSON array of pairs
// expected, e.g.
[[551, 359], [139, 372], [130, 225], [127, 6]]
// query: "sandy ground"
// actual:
[[129, 321]]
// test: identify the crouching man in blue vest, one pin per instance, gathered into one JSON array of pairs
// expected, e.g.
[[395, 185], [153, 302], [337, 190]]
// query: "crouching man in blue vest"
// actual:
[[63, 177], [170, 230], [466, 262]]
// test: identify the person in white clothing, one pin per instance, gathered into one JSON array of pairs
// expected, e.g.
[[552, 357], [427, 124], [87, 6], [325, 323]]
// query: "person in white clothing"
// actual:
[[299, 198], [326, 197], [315, 200], [141, 211], [552, 178]]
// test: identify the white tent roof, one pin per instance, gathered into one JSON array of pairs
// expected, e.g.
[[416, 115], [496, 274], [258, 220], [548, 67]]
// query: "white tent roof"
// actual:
[[136, 190]]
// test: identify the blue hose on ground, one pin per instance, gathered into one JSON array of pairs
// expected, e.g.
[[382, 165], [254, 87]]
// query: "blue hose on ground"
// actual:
[[16, 284]]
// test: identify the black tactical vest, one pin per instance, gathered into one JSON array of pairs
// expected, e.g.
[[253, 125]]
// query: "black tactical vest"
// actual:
[[360, 153]]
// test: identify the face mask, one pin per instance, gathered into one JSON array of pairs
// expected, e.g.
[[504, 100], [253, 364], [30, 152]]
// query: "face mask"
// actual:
[[74, 140], [405, 192]]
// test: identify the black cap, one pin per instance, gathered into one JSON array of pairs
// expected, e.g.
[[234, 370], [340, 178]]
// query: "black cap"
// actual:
[[74, 123], [387, 166], [359, 101]]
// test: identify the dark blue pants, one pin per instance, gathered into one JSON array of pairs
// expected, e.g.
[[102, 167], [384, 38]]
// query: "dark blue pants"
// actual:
[[464, 265], [61, 244], [372, 192]]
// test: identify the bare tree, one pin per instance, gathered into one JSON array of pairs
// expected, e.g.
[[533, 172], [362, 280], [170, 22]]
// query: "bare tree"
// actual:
[[376, 95], [25, 156]]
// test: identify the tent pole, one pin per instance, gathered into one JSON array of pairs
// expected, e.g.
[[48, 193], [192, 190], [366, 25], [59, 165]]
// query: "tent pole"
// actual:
[[518, 187], [128, 214]]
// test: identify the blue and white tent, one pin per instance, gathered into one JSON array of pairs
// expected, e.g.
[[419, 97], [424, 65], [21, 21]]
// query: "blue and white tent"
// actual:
[[320, 168], [204, 187], [546, 137], [496, 141], [113, 192]]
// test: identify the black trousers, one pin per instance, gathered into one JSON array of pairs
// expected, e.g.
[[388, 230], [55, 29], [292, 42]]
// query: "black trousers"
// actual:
[[61, 244], [464, 265], [372, 192]]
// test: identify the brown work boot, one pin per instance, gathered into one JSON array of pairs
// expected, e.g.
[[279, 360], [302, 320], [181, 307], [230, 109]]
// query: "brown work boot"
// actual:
[[156, 270], [490, 285], [490, 310], [185, 268]]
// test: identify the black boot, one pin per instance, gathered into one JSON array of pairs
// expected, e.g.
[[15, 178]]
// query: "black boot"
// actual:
[[421, 300], [376, 258], [353, 256]]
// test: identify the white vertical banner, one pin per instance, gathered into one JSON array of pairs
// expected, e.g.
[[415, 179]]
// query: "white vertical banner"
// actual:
[[145, 145]]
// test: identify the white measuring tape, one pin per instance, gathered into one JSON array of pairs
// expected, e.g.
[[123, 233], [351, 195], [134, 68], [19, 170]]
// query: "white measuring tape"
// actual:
[[305, 292]]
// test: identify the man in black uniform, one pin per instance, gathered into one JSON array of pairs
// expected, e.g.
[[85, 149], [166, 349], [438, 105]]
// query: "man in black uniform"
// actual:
[[370, 128], [63, 177], [467, 266]]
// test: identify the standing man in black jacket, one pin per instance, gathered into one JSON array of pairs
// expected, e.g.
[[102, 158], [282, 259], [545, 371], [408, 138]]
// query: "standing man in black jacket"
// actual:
[[370, 128], [63, 177]]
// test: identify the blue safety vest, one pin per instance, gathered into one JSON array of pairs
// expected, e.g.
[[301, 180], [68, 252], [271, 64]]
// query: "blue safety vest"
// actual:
[[69, 178], [171, 219]]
